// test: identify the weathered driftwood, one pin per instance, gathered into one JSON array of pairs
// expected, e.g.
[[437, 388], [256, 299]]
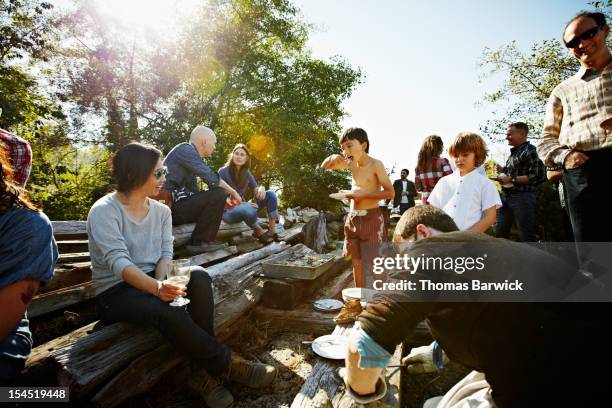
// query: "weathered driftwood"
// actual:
[[92, 360], [141, 375], [68, 276], [73, 245], [249, 246], [71, 258], [144, 372], [293, 234], [208, 257], [238, 262], [58, 299], [324, 387], [302, 319], [182, 233], [66, 230]]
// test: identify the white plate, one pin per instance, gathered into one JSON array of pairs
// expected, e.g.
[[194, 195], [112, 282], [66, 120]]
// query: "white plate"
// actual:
[[331, 346], [327, 305], [340, 195]]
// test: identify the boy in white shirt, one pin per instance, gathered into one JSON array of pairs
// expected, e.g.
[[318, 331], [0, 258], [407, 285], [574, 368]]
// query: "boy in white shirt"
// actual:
[[470, 198]]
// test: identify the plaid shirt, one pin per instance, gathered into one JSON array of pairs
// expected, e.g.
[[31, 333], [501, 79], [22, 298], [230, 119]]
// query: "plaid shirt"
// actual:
[[426, 179], [574, 111], [20, 153], [524, 161]]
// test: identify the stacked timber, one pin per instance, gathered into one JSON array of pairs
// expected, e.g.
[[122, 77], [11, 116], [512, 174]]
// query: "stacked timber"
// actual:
[[96, 360]]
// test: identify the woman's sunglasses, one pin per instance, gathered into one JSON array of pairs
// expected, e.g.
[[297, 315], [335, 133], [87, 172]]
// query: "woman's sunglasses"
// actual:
[[161, 172], [587, 35]]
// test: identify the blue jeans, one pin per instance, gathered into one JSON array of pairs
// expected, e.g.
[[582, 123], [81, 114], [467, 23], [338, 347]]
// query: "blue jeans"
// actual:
[[14, 351], [247, 213], [189, 330], [517, 206]]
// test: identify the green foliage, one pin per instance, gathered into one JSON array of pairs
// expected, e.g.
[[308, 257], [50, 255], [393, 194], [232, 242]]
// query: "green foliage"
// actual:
[[69, 180]]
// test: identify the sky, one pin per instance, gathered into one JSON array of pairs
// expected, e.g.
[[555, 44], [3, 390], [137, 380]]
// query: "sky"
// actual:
[[419, 59]]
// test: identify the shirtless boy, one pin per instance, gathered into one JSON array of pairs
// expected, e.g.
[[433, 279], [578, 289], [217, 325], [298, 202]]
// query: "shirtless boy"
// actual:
[[365, 223]]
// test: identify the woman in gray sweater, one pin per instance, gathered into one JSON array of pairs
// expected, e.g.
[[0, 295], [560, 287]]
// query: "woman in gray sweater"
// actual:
[[130, 244]]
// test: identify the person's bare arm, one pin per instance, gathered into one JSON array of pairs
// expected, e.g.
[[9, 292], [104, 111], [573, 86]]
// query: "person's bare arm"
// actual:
[[486, 221], [14, 299], [362, 380], [335, 162]]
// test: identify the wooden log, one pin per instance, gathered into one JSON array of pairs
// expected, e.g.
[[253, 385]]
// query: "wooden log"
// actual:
[[208, 257], [302, 319], [58, 299], [239, 298], [182, 233], [324, 387], [91, 360], [293, 234], [249, 246], [71, 258], [238, 262], [141, 375], [68, 276], [69, 230], [145, 371], [76, 245]]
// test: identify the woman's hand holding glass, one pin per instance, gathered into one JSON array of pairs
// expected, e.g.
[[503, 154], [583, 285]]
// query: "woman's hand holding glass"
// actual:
[[179, 274], [168, 291]]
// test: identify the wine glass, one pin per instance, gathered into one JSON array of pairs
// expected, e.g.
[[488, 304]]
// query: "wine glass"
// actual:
[[179, 274]]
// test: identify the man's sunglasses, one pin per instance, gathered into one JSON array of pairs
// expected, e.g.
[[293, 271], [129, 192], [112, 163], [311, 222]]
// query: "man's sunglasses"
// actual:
[[161, 172], [587, 35]]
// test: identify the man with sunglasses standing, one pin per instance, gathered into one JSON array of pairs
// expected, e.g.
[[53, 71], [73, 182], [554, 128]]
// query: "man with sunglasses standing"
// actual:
[[573, 137], [189, 204]]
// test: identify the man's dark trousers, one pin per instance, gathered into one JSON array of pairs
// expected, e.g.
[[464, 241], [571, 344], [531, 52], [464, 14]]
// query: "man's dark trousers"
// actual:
[[205, 208], [587, 190], [404, 206], [517, 206]]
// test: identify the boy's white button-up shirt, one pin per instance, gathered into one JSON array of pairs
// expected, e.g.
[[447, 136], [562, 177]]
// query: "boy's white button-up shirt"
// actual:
[[465, 198]]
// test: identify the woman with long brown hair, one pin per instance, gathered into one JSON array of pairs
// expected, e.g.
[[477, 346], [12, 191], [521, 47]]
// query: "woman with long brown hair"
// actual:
[[28, 254], [237, 174], [430, 166]]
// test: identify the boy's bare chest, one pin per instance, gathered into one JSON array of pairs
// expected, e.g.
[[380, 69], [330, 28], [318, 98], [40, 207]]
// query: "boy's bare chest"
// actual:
[[365, 177]]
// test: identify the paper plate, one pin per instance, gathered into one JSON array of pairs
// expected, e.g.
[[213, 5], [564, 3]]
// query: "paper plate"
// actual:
[[327, 305], [340, 195], [331, 346]]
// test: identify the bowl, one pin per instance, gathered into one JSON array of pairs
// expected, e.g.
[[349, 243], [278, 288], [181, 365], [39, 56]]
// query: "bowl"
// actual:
[[363, 294]]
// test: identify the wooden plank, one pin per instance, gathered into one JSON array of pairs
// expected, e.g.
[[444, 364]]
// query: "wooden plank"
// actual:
[[58, 299], [242, 260], [249, 246], [237, 300], [208, 257], [145, 371], [71, 258], [75, 245], [303, 319], [293, 234], [66, 277], [67, 230]]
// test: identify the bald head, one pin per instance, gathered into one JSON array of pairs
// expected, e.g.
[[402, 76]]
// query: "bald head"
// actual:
[[204, 140]]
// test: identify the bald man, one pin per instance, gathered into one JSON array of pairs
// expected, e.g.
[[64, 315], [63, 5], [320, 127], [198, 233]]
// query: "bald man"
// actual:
[[189, 204]]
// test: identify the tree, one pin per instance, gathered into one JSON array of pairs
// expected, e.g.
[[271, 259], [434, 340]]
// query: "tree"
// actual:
[[530, 78]]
